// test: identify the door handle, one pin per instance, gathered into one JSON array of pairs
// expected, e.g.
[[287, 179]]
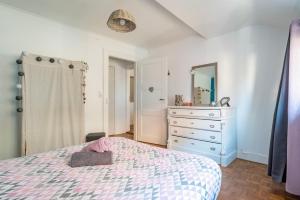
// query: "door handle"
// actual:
[[161, 99]]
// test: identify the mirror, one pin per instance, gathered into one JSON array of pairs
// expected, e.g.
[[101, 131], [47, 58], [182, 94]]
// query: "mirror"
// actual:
[[204, 84]]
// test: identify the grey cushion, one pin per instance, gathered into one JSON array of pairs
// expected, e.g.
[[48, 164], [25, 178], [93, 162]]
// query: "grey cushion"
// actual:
[[80, 159]]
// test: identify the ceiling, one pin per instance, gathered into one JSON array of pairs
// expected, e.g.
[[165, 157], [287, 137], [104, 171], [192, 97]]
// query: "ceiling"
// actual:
[[163, 21], [155, 25], [214, 17]]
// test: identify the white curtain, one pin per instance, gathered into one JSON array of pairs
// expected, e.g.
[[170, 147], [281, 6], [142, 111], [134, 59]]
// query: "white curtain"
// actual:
[[53, 104]]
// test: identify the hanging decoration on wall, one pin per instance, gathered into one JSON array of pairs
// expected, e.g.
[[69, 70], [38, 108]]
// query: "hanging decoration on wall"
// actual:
[[51, 60], [121, 21], [39, 59], [83, 71], [21, 74], [178, 100], [151, 89], [19, 86], [19, 61]]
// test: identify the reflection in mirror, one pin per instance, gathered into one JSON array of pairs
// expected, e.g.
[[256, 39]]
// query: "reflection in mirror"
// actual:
[[204, 84]]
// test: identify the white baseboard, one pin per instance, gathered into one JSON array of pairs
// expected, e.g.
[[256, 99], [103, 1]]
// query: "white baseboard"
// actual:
[[226, 160], [254, 157]]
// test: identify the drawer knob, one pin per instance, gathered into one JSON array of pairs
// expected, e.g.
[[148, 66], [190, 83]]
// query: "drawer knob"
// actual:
[[213, 137], [212, 126], [192, 123], [176, 141], [191, 113], [173, 112], [212, 148], [192, 133], [192, 143], [211, 114], [175, 131]]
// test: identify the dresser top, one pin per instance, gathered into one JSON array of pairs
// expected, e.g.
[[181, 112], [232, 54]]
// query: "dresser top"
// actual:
[[202, 107]]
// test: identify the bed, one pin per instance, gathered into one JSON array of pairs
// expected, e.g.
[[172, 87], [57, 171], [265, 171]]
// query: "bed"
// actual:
[[139, 171]]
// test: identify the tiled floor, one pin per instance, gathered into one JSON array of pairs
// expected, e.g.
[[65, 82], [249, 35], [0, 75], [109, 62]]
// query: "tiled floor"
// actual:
[[245, 180]]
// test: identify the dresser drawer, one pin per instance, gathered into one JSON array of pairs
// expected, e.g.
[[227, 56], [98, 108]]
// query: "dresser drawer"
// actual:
[[210, 136], [211, 150], [195, 113], [196, 123]]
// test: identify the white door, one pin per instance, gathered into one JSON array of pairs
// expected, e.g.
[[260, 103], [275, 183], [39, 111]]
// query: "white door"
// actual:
[[152, 100]]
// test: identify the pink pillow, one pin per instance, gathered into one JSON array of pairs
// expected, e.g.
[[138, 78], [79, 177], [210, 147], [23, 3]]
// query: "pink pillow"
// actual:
[[100, 145]]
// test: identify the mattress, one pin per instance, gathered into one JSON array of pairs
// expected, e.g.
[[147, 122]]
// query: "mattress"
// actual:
[[139, 171]]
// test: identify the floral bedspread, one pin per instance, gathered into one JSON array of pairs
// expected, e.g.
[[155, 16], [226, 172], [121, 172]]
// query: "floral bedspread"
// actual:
[[139, 171]]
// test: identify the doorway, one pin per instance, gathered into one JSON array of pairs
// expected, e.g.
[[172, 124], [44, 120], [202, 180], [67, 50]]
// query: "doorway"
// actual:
[[121, 98]]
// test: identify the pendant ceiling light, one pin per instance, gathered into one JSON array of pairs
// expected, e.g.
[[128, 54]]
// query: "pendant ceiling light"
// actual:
[[121, 21]]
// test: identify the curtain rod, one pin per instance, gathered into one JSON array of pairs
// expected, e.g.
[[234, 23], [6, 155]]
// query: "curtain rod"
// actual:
[[50, 59], [38, 58]]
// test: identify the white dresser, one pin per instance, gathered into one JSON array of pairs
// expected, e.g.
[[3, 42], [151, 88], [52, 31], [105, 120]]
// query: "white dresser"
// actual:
[[208, 131]]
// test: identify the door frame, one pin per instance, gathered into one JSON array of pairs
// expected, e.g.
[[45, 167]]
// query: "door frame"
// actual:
[[124, 56], [114, 110]]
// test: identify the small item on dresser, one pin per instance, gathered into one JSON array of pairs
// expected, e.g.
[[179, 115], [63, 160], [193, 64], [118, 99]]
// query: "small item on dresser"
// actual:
[[188, 103], [80, 159], [101, 145], [225, 102], [213, 103], [178, 100]]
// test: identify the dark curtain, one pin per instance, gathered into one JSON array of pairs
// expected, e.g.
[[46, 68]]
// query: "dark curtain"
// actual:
[[284, 154], [278, 144]]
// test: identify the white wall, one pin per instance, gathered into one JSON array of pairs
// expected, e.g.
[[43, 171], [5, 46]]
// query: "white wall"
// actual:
[[22, 31], [249, 67]]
